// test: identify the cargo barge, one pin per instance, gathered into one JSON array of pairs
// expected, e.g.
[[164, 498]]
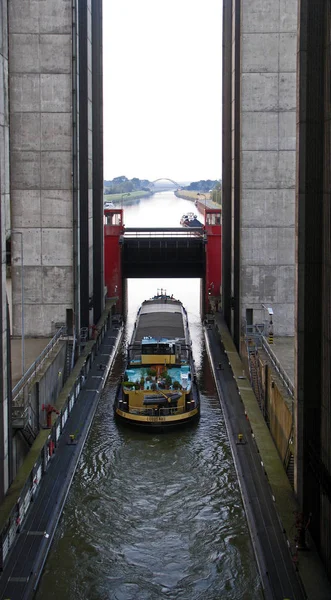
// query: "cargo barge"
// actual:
[[159, 388]]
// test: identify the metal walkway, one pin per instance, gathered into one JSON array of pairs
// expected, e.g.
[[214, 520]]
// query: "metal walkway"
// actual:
[[20, 577]]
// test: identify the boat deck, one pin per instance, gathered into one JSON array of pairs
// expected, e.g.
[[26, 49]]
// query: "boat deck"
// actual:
[[160, 319], [136, 373]]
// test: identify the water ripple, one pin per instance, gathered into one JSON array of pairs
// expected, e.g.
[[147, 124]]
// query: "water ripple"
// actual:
[[153, 516]]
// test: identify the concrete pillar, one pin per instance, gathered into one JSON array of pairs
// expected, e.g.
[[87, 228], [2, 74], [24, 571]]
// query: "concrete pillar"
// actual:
[[261, 215], [56, 163], [268, 153], [40, 41], [85, 161], [313, 315], [5, 383], [226, 160], [97, 123], [91, 161]]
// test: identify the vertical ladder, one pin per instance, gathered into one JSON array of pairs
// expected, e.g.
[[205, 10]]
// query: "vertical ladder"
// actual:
[[289, 458]]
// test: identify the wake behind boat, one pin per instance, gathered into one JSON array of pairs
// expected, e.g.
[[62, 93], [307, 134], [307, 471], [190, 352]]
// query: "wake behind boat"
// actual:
[[159, 388]]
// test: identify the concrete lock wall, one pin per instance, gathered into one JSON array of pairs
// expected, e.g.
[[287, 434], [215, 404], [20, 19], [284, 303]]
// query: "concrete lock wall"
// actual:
[[50, 383], [5, 408], [278, 405], [280, 417], [4, 130], [40, 42], [268, 40], [42, 390]]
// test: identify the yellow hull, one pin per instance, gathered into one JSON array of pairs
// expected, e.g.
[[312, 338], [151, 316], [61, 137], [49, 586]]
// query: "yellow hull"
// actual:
[[156, 420]]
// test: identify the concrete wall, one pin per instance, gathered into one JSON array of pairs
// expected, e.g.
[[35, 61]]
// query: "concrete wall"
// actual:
[[267, 154], [43, 389], [325, 523], [5, 430], [40, 42], [280, 417], [313, 315], [55, 91], [4, 122], [86, 157]]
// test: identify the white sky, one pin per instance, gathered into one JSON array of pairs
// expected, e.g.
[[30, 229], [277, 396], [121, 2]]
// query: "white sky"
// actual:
[[162, 66]]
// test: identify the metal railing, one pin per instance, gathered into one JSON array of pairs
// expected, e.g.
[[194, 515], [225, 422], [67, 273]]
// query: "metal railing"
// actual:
[[255, 333], [277, 366], [177, 232], [20, 500], [32, 370]]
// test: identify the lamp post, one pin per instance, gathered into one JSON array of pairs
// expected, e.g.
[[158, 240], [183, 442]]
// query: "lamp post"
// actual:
[[22, 300], [123, 195], [199, 194]]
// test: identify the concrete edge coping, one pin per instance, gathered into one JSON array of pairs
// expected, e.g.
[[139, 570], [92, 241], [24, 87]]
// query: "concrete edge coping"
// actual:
[[310, 567], [67, 388], [272, 464], [16, 487], [80, 363]]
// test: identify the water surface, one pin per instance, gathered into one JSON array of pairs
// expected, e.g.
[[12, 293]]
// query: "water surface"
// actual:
[[155, 516]]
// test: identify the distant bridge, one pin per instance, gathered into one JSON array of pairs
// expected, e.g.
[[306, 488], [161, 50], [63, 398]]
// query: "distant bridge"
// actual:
[[177, 185]]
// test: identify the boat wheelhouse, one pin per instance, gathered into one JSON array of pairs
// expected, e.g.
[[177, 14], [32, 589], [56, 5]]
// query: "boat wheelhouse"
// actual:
[[159, 388]]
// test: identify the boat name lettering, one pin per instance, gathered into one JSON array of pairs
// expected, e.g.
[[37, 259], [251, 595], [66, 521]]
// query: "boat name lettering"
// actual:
[[155, 419]]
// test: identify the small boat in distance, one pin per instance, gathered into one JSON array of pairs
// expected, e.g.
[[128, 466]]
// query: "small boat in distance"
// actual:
[[109, 205], [190, 220], [159, 388]]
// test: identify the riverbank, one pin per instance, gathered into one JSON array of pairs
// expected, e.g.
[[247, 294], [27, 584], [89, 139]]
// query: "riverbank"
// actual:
[[126, 197], [201, 201], [192, 195]]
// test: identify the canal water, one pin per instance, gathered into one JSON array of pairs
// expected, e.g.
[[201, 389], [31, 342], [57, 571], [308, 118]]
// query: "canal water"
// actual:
[[153, 516]]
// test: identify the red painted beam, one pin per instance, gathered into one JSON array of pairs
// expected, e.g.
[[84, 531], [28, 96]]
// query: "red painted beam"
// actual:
[[113, 229], [213, 228]]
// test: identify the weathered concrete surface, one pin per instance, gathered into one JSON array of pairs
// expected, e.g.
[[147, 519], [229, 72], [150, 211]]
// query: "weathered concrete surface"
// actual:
[[268, 139], [40, 41], [4, 234], [32, 349], [283, 348]]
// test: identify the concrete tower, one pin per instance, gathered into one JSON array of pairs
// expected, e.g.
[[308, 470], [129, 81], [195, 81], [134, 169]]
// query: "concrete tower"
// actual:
[[313, 314], [5, 385], [276, 211], [51, 186], [56, 163], [259, 104]]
